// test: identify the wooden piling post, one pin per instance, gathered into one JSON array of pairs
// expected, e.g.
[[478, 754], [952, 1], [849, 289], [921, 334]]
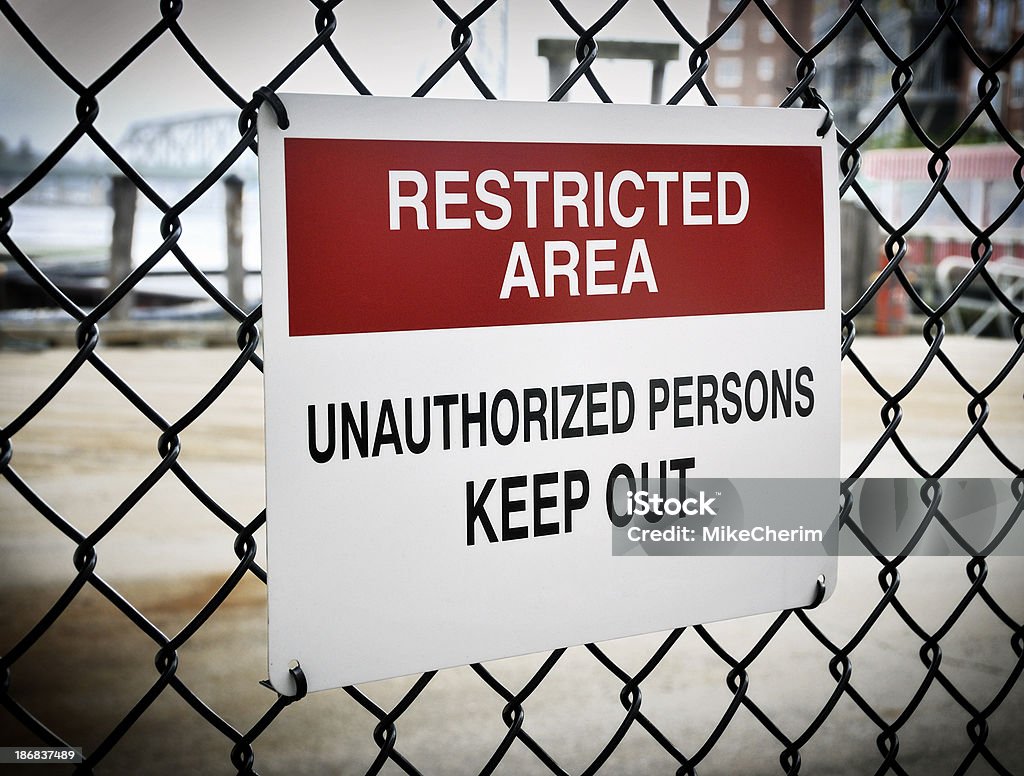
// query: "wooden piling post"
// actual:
[[233, 189], [123, 197], [657, 80]]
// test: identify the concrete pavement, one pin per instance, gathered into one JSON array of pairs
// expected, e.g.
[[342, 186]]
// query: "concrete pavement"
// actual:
[[86, 451]]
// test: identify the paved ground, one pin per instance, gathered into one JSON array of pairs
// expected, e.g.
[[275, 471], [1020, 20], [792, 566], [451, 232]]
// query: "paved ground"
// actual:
[[85, 453]]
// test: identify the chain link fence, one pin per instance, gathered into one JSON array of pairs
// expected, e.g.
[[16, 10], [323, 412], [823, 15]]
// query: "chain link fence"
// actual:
[[985, 729]]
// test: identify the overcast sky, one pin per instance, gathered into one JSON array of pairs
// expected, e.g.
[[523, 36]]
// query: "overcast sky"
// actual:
[[392, 44]]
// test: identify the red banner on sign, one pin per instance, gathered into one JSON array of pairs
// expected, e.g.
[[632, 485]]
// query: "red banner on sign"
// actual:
[[388, 235]]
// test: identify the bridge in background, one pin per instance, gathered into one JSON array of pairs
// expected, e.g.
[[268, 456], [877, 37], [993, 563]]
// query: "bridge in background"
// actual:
[[185, 146], [176, 147]]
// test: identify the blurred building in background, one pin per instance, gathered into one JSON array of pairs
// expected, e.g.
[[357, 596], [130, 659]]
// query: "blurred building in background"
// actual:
[[857, 77], [994, 25], [751, 65]]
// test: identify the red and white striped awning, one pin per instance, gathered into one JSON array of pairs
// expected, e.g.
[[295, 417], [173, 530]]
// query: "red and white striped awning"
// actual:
[[981, 162]]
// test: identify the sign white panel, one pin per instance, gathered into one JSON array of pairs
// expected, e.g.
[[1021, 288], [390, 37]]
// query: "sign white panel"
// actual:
[[481, 318]]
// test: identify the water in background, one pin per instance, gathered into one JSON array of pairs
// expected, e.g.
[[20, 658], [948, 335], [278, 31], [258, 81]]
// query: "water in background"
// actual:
[[67, 224]]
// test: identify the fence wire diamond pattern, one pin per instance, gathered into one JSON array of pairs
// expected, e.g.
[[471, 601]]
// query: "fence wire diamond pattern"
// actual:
[[587, 24]]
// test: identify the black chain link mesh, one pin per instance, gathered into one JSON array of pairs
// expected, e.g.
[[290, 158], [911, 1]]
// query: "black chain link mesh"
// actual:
[[738, 666]]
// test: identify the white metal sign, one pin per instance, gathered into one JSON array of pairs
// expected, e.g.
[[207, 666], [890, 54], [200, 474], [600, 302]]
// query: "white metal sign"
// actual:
[[481, 319]]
